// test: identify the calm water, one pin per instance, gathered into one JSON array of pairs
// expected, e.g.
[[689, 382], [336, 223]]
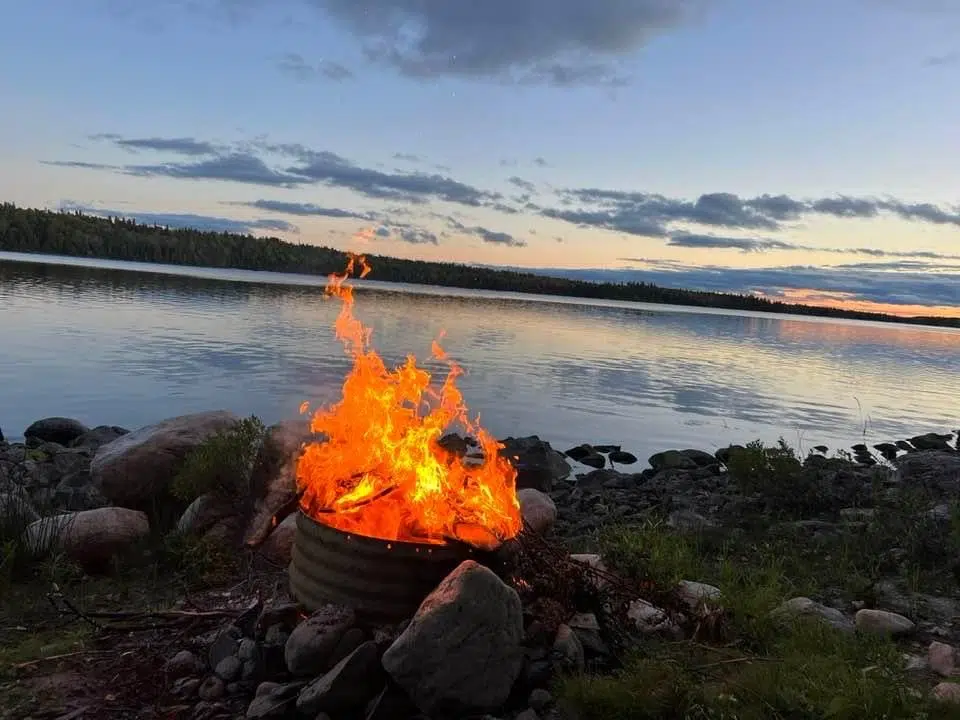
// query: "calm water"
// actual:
[[126, 344]]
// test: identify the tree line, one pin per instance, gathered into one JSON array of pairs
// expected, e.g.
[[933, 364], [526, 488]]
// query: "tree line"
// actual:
[[77, 234]]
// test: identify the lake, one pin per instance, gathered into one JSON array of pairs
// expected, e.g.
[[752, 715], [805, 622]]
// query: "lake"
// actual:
[[129, 344]]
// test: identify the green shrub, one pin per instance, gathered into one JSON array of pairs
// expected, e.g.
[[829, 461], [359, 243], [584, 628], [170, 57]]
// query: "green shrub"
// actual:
[[222, 463]]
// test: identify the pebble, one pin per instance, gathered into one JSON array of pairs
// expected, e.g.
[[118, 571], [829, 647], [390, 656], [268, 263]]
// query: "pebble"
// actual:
[[211, 689]]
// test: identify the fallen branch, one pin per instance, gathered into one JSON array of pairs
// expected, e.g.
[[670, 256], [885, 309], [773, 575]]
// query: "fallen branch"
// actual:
[[63, 656]]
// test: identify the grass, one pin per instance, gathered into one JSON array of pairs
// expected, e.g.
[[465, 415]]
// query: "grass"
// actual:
[[757, 667]]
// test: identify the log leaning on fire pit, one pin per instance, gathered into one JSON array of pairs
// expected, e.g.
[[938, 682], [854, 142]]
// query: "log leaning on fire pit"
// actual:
[[384, 580]]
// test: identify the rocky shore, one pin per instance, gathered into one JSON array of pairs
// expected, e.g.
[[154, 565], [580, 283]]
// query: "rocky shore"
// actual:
[[587, 588]]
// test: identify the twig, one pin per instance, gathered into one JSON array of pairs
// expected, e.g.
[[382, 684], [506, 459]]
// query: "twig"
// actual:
[[63, 656], [163, 614], [72, 608], [733, 661]]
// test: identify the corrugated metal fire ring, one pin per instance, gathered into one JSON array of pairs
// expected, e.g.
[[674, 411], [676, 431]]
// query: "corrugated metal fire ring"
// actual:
[[378, 578]]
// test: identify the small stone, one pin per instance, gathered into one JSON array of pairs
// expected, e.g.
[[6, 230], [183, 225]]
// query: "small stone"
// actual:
[[622, 457], [540, 699], [267, 687], [942, 658], [693, 594], [805, 607], [881, 622], [914, 663], [528, 714], [594, 460], [229, 668], [211, 689], [351, 684], [185, 687], [947, 692], [182, 664], [569, 649], [247, 649], [647, 617]]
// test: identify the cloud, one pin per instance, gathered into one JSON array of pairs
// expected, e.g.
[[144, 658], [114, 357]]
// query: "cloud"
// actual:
[[558, 42], [488, 236], [939, 60], [540, 162], [407, 157], [210, 223], [306, 209], [177, 145], [294, 65], [79, 165], [522, 184], [235, 167], [693, 240], [651, 215], [407, 233]]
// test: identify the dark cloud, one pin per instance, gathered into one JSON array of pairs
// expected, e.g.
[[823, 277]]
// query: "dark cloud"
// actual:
[[650, 215], [294, 65], [488, 236], [306, 209], [79, 165], [522, 184], [178, 145], [540, 162], [693, 240], [548, 41], [407, 157], [234, 167], [407, 233], [331, 169], [187, 220], [940, 60]]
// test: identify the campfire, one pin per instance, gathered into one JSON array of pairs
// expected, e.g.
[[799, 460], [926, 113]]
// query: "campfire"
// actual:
[[380, 470]]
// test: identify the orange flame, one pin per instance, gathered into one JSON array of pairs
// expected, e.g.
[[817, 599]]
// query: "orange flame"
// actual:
[[381, 471]]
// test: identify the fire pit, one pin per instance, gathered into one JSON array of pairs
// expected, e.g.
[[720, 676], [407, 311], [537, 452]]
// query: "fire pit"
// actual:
[[386, 512]]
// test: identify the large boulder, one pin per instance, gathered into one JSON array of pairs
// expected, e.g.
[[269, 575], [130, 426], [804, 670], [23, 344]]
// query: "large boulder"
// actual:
[[136, 469], [461, 653], [59, 430], [90, 537], [99, 436], [538, 464], [273, 478]]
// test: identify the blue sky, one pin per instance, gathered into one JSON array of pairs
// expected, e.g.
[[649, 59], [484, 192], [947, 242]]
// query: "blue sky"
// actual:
[[801, 149]]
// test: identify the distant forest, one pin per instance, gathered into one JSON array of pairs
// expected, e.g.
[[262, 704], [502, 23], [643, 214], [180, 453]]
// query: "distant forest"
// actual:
[[78, 235]]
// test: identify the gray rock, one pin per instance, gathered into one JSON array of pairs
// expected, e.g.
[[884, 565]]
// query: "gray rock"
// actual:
[[59, 430], [229, 668], [278, 547], [89, 537], [186, 687], [538, 510], [211, 689], [540, 700], [942, 658], [98, 436], [528, 714], [805, 607], [695, 593], [310, 647], [462, 651], [225, 645], [538, 464], [203, 513], [182, 664], [568, 650], [136, 469], [622, 457], [672, 460], [881, 622], [273, 700], [350, 685]]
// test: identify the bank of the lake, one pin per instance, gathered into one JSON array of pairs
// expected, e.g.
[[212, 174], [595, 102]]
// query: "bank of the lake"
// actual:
[[751, 580]]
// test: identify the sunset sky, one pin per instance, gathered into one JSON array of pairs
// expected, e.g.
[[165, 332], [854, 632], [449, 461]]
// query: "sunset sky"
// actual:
[[806, 150]]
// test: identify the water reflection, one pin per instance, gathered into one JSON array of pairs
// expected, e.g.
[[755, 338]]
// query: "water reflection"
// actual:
[[109, 345]]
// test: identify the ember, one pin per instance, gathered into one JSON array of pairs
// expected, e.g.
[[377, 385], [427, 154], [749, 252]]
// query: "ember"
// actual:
[[381, 472]]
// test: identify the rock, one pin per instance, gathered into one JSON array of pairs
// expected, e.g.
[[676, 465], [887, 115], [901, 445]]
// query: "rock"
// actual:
[[349, 685], [538, 510], [211, 689], [942, 658], [540, 700], [59, 430], [701, 458], [857, 514], [136, 469], [933, 470], [98, 437], [224, 645], [310, 647], [278, 547], [273, 700], [273, 478], [695, 593], [688, 521], [647, 617], [282, 617], [392, 703], [538, 464], [183, 664], [594, 460], [947, 692], [622, 457], [461, 652], [578, 453], [881, 622], [89, 537], [568, 649], [805, 607], [672, 460], [587, 629], [528, 714], [931, 441], [203, 513], [229, 668], [594, 561]]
